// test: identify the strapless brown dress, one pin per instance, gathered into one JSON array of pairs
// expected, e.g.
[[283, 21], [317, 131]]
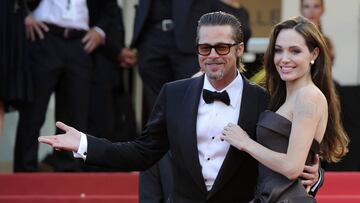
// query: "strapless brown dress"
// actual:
[[273, 131]]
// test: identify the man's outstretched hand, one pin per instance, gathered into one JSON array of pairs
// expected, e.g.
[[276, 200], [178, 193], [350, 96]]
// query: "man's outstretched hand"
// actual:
[[68, 141]]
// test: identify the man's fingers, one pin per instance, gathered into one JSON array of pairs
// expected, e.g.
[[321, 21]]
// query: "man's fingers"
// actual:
[[47, 139], [310, 169], [88, 43], [88, 47], [306, 183], [63, 126], [39, 32], [57, 146], [44, 26], [85, 38], [308, 179], [91, 40], [307, 176], [40, 28], [130, 60]]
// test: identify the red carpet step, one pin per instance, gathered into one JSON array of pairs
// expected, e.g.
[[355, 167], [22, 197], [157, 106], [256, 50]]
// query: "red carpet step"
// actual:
[[69, 187], [339, 187]]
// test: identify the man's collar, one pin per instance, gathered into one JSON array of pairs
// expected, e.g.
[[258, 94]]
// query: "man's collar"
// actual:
[[234, 89]]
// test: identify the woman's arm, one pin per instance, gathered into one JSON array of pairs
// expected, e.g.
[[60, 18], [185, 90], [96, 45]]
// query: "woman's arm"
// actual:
[[308, 109]]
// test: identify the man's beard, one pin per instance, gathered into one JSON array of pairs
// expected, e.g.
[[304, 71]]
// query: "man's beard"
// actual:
[[216, 76]]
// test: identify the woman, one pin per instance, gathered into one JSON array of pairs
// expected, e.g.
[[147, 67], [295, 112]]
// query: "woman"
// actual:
[[304, 118]]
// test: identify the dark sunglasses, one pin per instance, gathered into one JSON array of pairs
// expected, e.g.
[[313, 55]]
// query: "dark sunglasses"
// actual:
[[221, 48]]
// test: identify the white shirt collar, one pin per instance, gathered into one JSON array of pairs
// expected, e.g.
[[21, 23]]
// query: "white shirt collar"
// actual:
[[234, 89]]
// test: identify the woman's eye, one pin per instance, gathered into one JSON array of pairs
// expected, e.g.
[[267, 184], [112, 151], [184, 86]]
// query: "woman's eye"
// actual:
[[296, 51]]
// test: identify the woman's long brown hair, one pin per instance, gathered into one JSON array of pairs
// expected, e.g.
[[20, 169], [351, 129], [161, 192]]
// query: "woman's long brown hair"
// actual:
[[335, 141]]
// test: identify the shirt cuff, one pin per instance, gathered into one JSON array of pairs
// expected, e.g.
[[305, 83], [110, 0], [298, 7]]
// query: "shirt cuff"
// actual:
[[316, 185], [100, 31], [82, 151]]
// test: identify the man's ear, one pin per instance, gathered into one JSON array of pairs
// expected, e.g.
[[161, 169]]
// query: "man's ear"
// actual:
[[240, 49]]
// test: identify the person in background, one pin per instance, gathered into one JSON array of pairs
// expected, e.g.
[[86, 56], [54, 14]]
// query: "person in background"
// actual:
[[187, 119], [110, 111], [304, 118], [107, 108], [313, 10], [62, 35], [15, 76]]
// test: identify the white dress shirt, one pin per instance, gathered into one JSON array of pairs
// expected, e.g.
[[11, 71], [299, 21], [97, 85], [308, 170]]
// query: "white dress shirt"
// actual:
[[211, 120], [64, 13]]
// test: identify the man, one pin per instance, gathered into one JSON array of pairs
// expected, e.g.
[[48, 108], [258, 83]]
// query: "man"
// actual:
[[166, 52], [63, 36], [187, 119], [164, 34]]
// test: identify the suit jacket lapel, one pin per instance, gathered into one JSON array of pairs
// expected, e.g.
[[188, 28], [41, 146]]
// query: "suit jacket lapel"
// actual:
[[188, 141], [234, 157]]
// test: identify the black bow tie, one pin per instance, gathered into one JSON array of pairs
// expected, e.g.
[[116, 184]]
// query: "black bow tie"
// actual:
[[210, 97]]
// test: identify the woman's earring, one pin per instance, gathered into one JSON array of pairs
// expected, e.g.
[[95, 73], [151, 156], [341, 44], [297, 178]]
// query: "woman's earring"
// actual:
[[312, 62]]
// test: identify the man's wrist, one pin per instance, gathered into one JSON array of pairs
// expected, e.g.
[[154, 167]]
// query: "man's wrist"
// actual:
[[82, 150]]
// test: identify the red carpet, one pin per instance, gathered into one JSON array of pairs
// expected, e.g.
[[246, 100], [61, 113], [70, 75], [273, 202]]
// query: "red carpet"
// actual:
[[69, 187], [339, 187]]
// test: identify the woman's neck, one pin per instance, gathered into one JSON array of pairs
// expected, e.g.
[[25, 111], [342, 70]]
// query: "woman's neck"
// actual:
[[293, 86]]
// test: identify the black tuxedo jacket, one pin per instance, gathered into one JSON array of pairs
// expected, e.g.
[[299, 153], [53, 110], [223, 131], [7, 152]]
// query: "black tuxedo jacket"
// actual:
[[185, 14], [172, 125]]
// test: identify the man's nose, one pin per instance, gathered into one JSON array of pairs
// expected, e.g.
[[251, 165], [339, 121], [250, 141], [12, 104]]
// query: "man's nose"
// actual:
[[213, 53]]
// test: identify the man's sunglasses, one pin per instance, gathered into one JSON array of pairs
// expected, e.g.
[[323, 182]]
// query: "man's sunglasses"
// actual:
[[221, 48]]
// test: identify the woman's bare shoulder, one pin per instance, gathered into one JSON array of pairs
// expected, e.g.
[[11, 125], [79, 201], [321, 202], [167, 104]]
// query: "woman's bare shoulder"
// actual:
[[310, 101]]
